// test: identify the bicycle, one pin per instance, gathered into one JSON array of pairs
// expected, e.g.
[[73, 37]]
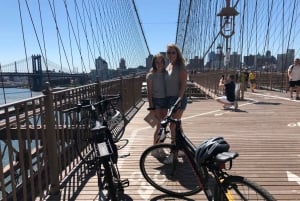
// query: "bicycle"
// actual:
[[112, 114], [193, 169], [96, 147]]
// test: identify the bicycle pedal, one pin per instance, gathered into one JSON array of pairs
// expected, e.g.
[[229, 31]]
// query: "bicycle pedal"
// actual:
[[125, 183]]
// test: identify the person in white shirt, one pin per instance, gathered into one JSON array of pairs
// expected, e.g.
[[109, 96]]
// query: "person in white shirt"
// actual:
[[294, 78]]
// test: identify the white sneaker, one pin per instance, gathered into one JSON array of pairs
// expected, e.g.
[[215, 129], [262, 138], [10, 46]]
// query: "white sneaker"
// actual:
[[162, 153], [226, 107], [169, 159], [159, 153], [155, 153]]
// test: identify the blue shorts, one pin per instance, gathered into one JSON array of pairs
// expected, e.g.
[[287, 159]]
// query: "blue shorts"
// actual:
[[294, 83], [173, 99], [160, 103]]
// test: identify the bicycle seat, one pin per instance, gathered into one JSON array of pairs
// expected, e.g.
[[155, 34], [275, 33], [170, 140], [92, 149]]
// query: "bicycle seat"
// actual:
[[226, 156], [210, 148]]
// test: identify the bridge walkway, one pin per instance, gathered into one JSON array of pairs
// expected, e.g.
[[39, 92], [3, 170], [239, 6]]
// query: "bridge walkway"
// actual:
[[265, 130]]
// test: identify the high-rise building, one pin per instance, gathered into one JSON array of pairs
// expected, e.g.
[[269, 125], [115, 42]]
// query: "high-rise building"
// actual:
[[101, 68]]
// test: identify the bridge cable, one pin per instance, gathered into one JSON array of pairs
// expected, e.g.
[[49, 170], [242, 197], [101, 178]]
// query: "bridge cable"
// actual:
[[289, 36], [142, 30], [89, 50], [57, 37], [36, 35], [42, 26], [24, 44]]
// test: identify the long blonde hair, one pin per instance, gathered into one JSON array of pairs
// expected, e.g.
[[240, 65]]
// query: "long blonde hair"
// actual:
[[180, 61]]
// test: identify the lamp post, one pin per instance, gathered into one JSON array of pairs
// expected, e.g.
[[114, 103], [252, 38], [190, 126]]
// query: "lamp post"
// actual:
[[220, 55], [227, 22]]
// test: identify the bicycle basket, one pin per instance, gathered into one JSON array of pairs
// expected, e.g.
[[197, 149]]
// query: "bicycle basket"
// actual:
[[105, 144], [210, 148]]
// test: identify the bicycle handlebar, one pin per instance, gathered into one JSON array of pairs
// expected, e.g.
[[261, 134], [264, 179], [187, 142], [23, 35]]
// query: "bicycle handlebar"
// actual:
[[86, 103], [174, 107]]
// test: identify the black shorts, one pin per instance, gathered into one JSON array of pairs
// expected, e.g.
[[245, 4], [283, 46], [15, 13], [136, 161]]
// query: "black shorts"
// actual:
[[295, 83]]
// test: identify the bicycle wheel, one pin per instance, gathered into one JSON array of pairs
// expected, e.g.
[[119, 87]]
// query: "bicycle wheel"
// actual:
[[177, 178], [83, 136], [116, 123], [239, 188]]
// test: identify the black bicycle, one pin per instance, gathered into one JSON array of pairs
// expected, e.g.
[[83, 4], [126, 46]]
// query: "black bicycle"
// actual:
[[111, 113], [95, 146], [183, 169]]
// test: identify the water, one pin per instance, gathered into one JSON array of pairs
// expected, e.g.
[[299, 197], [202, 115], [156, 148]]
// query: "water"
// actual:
[[8, 95]]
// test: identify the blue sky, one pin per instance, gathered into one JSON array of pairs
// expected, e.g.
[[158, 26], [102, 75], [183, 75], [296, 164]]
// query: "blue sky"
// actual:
[[159, 20], [267, 27]]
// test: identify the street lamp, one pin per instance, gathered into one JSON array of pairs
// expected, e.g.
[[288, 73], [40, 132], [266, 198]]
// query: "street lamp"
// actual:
[[227, 17], [220, 54]]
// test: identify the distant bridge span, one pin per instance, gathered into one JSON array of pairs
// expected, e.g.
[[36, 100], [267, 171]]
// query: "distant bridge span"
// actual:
[[37, 76]]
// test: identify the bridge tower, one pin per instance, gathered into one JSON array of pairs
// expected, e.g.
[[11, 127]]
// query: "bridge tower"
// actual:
[[37, 77]]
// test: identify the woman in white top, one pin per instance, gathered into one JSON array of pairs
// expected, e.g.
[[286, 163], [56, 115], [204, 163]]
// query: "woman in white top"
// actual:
[[176, 78]]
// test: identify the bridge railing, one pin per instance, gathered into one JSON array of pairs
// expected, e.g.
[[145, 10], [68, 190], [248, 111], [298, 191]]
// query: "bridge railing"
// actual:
[[36, 138], [264, 80]]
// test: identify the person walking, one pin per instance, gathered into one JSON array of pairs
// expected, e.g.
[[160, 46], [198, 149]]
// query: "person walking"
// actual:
[[176, 80], [294, 78], [156, 91], [252, 80], [229, 99]]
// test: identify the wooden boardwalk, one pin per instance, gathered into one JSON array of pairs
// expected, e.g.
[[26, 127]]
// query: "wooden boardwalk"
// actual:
[[265, 131]]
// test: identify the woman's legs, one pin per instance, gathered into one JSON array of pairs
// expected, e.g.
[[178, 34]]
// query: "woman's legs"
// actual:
[[176, 115], [159, 114]]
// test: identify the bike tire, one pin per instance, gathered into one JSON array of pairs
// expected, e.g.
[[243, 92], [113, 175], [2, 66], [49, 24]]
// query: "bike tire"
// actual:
[[177, 179], [240, 188], [84, 148], [109, 178]]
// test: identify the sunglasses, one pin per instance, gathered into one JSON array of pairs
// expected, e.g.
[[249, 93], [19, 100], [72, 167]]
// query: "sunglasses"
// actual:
[[171, 53]]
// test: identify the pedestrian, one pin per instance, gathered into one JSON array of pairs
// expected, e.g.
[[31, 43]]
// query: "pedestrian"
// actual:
[[246, 76], [252, 80], [156, 91], [176, 80], [229, 99], [294, 78]]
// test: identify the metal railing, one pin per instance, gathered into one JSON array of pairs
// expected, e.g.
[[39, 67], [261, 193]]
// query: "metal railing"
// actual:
[[36, 139], [264, 80]]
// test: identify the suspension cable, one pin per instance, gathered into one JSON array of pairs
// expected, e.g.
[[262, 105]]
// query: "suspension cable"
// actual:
[[24, 44]]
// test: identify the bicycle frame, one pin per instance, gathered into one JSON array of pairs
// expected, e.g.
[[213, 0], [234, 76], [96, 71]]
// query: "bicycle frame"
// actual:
[[182, 142]]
